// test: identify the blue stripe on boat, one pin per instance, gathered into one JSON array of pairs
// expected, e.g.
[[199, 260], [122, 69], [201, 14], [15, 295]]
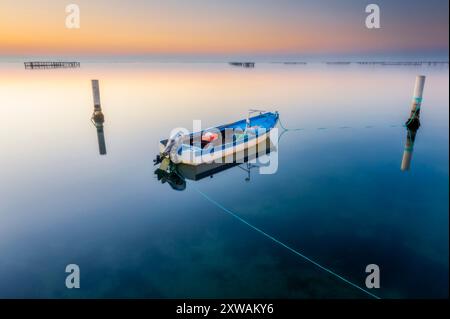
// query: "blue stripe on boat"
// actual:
[[265, 121]]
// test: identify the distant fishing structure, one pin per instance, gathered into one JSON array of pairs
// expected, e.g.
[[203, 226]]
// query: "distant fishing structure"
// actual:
[[51, 65], [294, 63], [243, 64], [407, 63], [338, 63], [98, 118], [347, 63]]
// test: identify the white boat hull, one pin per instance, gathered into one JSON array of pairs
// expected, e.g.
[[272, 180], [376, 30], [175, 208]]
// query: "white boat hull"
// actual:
[[217, 154]]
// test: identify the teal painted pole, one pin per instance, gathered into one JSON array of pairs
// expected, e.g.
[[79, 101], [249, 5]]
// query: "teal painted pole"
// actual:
[[414, 117]]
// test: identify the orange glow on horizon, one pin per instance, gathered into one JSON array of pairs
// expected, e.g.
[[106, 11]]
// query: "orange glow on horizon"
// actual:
[[130, 29]]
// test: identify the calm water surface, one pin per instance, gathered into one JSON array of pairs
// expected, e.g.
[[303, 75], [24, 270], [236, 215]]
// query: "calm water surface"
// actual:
[[339, 196]]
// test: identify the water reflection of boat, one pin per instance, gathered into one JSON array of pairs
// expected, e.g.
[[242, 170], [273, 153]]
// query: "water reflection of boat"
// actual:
[[215, 143], [177, 174], [172, 177]]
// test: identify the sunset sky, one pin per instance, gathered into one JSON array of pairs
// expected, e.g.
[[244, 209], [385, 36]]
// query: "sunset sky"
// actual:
[[217, 27]]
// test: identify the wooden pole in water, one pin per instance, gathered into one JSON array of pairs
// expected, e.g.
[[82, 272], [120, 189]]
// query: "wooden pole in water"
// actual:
[[98, 117], [96, 94], [414, 118]]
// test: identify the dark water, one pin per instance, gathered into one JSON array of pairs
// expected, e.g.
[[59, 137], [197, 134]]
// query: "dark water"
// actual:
[[338, 196]]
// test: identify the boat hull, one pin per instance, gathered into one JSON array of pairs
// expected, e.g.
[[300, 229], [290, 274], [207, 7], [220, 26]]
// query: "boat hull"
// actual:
[[225, 153], [197, 172]]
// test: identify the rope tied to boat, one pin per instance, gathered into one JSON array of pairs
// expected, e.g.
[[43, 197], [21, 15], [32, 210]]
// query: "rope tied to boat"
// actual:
[[277, 241], [296, 252], [288, 129]]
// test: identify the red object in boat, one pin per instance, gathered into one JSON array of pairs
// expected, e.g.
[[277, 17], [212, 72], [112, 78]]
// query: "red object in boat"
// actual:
[[209, 137]]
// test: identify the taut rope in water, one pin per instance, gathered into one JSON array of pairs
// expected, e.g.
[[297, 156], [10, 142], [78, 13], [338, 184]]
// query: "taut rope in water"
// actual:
[[296, 252], [223, 208], [285, 129], [288, 129]]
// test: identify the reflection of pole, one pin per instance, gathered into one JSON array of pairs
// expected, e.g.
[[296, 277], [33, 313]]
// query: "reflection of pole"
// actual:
[[414, 118], [247, 179], [98, 118], [409, 148]]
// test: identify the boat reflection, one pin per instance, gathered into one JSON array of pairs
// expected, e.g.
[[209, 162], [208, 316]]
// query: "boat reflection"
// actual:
[[98, 119], [251, 158], [409, 148]]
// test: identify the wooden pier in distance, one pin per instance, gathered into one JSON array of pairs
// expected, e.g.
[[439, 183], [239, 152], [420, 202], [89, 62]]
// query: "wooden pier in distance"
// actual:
[[338, 63], [396, 63], [243, 64], [294, 63], [51, 65]]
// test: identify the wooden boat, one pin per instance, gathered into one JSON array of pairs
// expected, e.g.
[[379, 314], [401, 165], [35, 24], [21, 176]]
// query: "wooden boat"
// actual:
[[198, 172], [216, 144], [176, 174]]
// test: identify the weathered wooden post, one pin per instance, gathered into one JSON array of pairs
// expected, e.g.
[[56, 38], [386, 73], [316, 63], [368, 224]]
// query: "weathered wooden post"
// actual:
[[98, 118], [96, 95], [414, 118]]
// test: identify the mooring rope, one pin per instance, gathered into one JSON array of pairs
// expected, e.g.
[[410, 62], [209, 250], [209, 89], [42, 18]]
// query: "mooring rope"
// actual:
[[296, 252], [417, 101], [288, 129], [285, 129], [323, 128], [212, 201]]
